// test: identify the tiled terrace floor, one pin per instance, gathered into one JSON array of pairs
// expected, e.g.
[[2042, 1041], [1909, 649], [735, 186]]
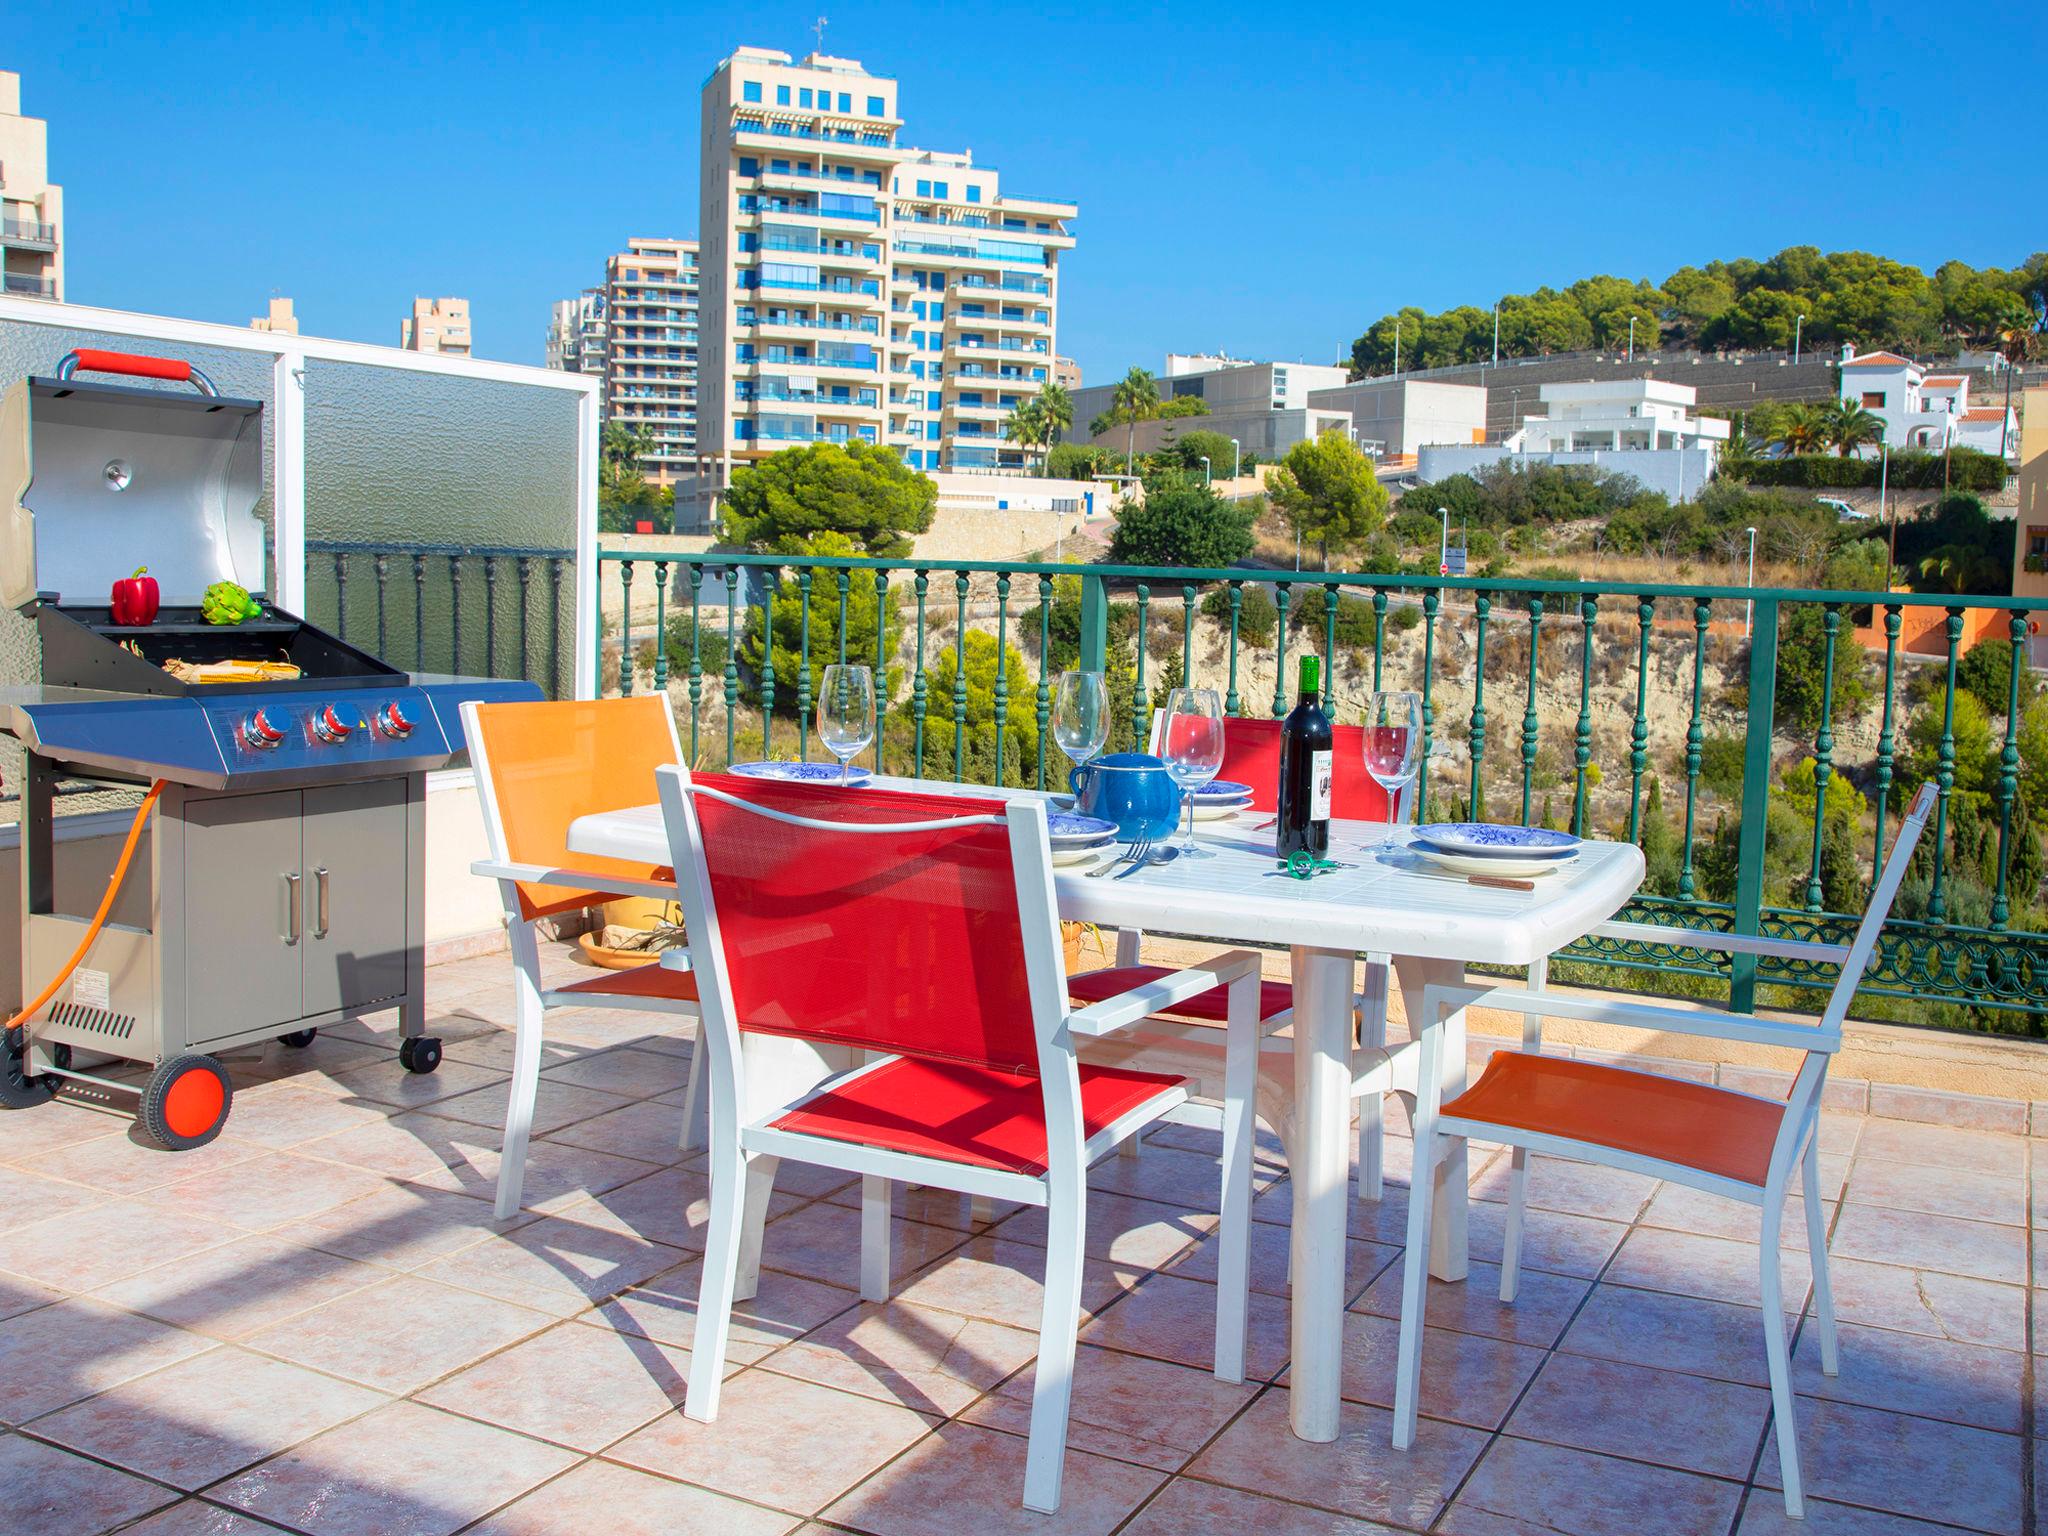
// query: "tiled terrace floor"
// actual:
[[315, 1325]]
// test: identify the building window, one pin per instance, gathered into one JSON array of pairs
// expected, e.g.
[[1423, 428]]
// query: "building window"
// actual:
[[875, 107], [924, 189], [939, 189], [2037, 543], [974, 194], [1873, 399], [749, 166], [845, 102], [782, 95], [751, 91]]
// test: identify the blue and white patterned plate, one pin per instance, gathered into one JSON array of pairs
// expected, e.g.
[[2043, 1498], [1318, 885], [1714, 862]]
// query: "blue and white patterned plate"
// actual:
[[800, 773], [1069, 829], [1218, 790], [1484, 840]]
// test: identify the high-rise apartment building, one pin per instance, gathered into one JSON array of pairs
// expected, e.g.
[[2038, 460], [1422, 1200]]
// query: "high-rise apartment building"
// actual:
[[651, 351], [31, 209], [576, 334], [436, 325], [855, 289]]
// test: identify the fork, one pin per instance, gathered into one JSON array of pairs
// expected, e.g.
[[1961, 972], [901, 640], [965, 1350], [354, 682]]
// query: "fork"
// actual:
[[1132, 855]]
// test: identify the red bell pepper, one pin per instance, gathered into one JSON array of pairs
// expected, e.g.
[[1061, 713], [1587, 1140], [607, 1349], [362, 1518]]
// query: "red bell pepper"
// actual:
[[134, 599]]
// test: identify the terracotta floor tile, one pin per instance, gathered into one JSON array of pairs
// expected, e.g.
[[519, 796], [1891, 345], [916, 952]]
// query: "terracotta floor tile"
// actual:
[[1977, 1249], [777, 1441], [1523, 1488], [1664, 1417], [821, 1241], [627, 1071], [1764, 1515], [403, 1226], [633, 1504], [576, 1384], [194, 1517], [62, 1122], [1673, 1333], [1927, 1301], [1269, 1243], [122, 1237], [1143, 1233], [784, 1308], [418, 1147], [203, 1418], [937, 1207], [1187, 1181], [465, 1158], [1185, 1507], [647, 1130], [266, 1192], [1905, 1466], [293, 1110], [128, 1165], [1708, 1267], [53, 1493], [331, 1052], [18, 1296], [935, 1362], [1551, 1240], [495, 1048], [967, 1478], [1359, 1473], [1941, 1146], [403, 1469], [388, 1082], [234, 1289], [1543, 1303], [986, 1277], [555, 1265], [671, 1206], [555, 1106], [74, 1348], [1939, 1191], [1170, 1318], [1466, 1378], [1126, 1406], [399, 1335], [1909, 1373], [33, 1197], [1577, 1189], [1678, 1209]]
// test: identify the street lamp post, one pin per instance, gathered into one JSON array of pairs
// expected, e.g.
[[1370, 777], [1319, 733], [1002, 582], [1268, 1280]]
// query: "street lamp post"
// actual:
[[1797, 326], [1749, 603], [1205, 469], [1496, 333], [1236, 458], [1631, 338], [1443, 548], [1884, 471]]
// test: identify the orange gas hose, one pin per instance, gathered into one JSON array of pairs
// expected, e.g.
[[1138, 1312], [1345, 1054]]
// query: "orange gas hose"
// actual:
[[99, 918]]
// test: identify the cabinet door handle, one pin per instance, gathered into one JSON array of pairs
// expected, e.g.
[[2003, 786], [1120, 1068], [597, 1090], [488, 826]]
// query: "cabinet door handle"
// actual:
[[320, 902], [294, 902]]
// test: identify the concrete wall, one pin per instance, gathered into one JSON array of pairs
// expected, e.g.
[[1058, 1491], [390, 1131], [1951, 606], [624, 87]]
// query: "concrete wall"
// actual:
[[1677, 472], [1267, 433], [1407, 415]]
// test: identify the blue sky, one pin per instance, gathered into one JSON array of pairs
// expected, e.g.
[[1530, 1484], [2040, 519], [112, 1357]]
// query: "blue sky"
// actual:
[[1264, 178]]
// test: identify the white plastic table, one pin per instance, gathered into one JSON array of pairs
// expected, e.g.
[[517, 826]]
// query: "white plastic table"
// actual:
[[1432, 925]]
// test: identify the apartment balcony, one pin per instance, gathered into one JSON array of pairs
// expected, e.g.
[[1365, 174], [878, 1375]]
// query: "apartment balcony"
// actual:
[[975, 282], [867, 325], [28, 234], [25, 286], [846, 143]]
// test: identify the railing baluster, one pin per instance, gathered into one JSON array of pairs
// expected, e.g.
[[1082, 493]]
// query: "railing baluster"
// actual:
[[1330, 650], [1431, 600], [1887, 739], [696, 571], [625, 621], [1582, 744], [1695, 740], [1379, 634], [1141, 705], [556, 567], [419, 613], [2009, 766], [525, 569], [1945, 772], [771, 582], [1188, 594], [1476, 730], [1002, 694], [881, 662], [660, 623], [1232, 701], [490, 615], [803, 663], [1280, 652], [732, 656], [1823, 753], [1044, 670], [845, 587], [341, 594], [960, 677], [1639, 732], [455, 613], [381, 563], [1529, 720], [919, 691]]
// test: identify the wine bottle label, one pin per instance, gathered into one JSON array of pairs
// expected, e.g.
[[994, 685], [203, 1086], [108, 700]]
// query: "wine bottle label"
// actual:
[[1322, 773]]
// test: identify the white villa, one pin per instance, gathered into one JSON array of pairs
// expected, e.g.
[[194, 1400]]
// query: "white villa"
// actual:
[[1644, 428], [1922, 411]]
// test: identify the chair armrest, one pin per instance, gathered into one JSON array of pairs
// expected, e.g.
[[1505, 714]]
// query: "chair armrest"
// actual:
[[578, 879], [1725, 943], [1113, 1013], [1712, 1023], [675, 960]]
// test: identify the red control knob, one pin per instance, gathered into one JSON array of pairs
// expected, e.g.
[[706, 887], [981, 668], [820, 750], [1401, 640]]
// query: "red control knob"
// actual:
[[329, 726], [259, 732], [392, 721]]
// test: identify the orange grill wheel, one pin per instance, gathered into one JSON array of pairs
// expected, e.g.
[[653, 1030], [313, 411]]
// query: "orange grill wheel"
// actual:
[[186, 1102]]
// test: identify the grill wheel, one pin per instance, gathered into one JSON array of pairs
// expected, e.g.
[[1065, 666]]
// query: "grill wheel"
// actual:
[[18, 1090], [186, 1102]]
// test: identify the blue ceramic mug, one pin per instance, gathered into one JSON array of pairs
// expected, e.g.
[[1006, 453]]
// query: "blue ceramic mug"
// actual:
[[1132, 789]]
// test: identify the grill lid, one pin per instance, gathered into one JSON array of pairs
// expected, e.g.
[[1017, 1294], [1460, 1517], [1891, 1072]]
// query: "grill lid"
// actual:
[[101, 478]]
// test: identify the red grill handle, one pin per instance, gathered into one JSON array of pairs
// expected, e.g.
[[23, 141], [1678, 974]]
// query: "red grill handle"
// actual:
[[98, 360]]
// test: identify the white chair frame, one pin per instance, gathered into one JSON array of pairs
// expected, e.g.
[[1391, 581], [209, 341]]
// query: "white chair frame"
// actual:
[[746, 1146], [530, 998], [1795, 1143]]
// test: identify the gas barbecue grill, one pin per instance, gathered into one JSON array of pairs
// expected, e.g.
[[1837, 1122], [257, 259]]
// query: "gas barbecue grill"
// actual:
[[287, 856]]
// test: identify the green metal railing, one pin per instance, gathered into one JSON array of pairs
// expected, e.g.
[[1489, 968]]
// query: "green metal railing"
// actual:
[[1998, 966]]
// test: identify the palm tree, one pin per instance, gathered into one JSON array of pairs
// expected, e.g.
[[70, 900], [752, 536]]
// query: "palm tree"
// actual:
[[1956, 568], [1850, 426], [1135, 399], [1027, 426], [1058, 406], [1804, 429]]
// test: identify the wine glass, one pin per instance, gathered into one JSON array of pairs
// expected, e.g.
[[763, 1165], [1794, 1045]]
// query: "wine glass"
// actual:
[[846, 711], [1080, 715], [1393, 749], [1193, 749]]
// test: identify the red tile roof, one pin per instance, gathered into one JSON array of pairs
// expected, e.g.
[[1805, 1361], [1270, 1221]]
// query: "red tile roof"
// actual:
[[1944, 379], [1985, 413], [1879, 360]]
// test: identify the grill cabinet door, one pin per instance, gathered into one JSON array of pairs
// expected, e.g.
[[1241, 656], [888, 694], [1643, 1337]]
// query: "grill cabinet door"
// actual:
[[357, 834], [241, 970]]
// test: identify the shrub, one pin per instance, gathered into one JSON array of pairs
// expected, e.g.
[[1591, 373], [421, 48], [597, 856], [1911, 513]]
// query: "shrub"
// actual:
[[1405, 617], [1721, 765], [1986, 671], [1180, 522], [711, 648], [1967, 470], [1256, 613], [1356, 627]]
